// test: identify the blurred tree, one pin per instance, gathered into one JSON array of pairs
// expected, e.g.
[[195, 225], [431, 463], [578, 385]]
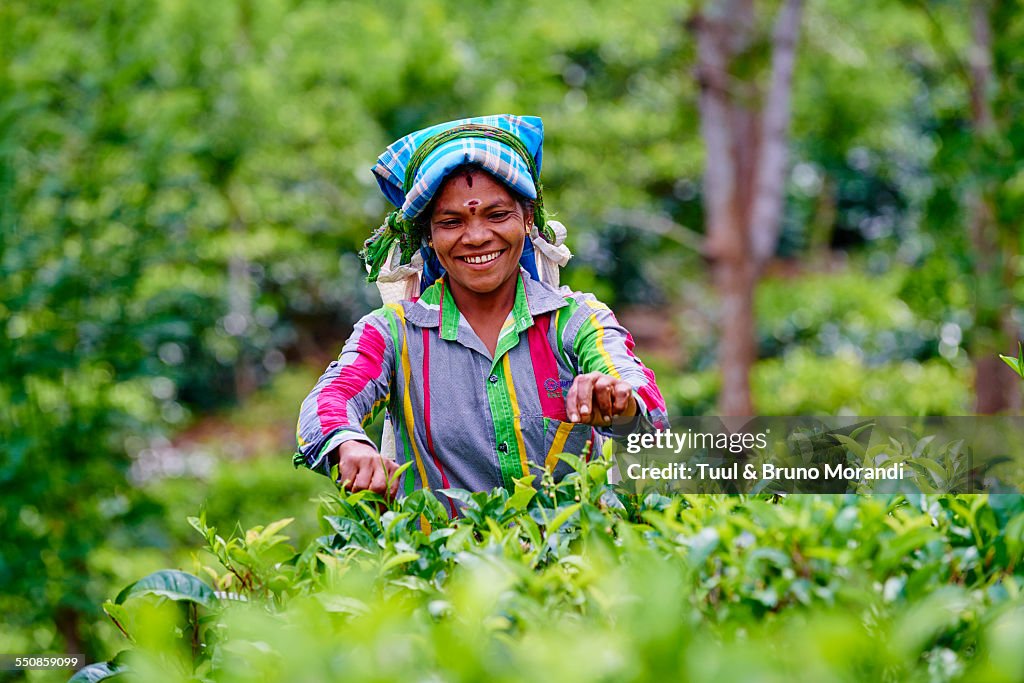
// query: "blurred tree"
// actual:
[[184, 186], [156, 223], [979, 193], [73, 349], [996, 242], [744, 127]]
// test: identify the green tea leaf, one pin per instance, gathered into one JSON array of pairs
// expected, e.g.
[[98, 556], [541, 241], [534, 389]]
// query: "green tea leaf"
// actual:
[[342, 604], [1014, 363], [102, 671], [574, 461], [121, 618], [173, 584], [564, 514], [524, 493], [399, 559]]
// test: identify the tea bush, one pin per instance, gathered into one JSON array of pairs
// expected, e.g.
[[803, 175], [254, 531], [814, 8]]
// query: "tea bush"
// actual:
[[843, 342], [801, 382], [581, 581]]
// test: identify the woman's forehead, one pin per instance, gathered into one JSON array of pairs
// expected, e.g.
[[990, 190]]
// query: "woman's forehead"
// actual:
[[472, 184]]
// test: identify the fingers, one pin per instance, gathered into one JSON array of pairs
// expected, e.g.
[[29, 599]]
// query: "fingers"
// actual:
[[579, 400], [584, 401], [366, 473], [625, 402], [362, 468], [347, 470], [594, 398], [364, 476], [378, 480], [604, 395]]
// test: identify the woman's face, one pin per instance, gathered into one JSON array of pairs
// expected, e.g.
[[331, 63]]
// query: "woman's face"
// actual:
[[478, 231]]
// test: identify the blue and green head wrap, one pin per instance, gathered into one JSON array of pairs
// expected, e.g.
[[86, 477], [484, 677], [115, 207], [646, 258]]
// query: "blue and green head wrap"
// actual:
[[412, 170]]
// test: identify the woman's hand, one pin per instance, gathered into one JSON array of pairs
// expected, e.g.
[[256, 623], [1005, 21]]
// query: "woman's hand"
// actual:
[[362, 468], [595, 398]]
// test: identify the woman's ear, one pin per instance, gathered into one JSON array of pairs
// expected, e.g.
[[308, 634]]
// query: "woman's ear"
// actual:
[[528, 213], [426, 227]]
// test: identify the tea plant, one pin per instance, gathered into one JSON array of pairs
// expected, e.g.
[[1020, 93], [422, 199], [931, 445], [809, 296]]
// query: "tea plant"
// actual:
[[578, 580]]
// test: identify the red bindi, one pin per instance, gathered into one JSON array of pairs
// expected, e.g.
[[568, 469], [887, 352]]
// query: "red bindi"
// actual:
[[472, 204], [469, 179]]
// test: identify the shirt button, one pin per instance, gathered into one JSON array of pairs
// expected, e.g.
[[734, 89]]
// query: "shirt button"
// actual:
[[492, 379], [503, 447]]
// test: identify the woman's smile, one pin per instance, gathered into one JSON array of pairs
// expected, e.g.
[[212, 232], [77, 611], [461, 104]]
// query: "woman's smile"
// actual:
[[482, 259]]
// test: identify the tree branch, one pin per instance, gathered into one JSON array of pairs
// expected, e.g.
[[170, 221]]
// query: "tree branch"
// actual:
[[657, 224]]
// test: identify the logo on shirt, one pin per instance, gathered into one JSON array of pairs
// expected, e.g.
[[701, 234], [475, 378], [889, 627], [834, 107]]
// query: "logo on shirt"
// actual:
[[557, 388]]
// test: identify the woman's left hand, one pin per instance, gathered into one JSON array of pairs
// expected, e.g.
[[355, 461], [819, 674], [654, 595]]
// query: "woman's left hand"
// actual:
[[595, 398]]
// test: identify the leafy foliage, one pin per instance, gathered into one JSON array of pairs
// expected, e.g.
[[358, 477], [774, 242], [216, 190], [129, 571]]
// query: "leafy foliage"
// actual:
[[183, 185], [577, 580], [183, 188]]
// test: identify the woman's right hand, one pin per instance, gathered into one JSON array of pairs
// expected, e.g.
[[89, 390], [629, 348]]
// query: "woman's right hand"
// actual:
[[362, 468], [595, 398]]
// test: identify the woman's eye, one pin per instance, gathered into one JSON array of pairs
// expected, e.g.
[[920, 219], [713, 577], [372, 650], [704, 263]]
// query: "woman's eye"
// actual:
[[500, 215], [447, 224]]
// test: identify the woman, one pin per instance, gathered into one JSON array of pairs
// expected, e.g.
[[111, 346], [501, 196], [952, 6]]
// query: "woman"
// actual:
[[489, 370]]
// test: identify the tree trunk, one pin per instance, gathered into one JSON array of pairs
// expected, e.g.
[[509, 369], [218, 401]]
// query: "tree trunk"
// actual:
[[240, 306], [67, 621], [735, 282], [744, 176], [770, 188], [996, 387]]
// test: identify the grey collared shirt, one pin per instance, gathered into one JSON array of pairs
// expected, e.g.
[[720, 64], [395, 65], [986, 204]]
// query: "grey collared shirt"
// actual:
[[465, 418]]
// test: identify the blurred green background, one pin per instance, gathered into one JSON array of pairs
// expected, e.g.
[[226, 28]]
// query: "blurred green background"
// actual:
[[184, 186]]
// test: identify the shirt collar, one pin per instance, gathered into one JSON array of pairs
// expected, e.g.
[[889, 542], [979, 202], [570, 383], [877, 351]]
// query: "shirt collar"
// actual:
[[436, 307]]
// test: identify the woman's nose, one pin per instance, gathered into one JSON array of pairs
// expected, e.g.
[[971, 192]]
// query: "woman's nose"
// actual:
[[477, 231]]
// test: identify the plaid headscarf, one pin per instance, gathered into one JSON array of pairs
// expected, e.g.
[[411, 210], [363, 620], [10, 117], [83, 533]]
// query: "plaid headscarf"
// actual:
[[498, 158], [412, 169]]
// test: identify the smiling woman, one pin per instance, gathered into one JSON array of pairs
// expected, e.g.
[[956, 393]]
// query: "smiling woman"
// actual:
[[485, 367]]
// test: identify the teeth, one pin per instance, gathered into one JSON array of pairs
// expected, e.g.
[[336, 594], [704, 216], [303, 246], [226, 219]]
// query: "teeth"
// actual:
[[483, 258]]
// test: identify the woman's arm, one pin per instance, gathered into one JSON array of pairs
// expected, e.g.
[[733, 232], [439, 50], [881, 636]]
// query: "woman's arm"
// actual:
[[612, 380], [347, 396]]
